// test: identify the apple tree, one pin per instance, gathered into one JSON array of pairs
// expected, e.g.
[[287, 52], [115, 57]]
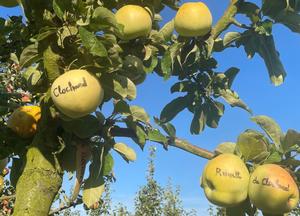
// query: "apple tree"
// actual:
[[63, 60]]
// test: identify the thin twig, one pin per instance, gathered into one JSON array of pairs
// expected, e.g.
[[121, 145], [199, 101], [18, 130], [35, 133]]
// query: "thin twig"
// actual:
[[66, 206]]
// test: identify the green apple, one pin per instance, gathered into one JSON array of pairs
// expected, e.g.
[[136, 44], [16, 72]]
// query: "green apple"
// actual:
[[273, 190], [136, 20], [76, 93], [225, 180], [193, 19]]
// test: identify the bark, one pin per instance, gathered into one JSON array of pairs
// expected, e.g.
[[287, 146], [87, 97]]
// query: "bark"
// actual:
[[39, 182]]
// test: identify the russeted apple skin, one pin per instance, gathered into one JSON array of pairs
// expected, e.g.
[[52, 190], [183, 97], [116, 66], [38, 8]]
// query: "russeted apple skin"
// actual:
[[221, 189], [273, 199], [136, 20], [193, 19]]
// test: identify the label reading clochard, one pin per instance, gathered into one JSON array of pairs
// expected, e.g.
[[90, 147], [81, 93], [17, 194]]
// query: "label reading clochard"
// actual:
[[61, 90], [267, 182]]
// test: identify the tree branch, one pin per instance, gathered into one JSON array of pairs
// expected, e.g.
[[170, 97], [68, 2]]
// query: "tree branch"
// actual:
[[66, 206], [226, 20], [186, 146], [175, 142]]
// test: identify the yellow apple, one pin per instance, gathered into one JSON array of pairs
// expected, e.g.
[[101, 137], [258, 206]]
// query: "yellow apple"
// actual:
[[273, 190], [1, 184], [23, 120], [136, 20], [77, 93], [225, 180], [193, 19]]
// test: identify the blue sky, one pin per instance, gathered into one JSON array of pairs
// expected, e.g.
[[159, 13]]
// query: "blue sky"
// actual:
[[253, 86]]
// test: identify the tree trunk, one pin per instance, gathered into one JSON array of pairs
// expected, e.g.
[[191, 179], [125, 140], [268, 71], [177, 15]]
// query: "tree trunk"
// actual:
[[39, 182]]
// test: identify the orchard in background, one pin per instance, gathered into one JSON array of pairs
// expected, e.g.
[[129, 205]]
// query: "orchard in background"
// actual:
[[63, 60]]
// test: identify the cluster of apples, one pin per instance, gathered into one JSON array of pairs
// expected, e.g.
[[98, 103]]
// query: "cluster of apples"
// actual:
[[78, 93], [193, 19], [226, 182]]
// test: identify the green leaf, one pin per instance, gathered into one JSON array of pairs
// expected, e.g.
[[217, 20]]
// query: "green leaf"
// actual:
[[233, 99], [275, 157], [93, 189], [59, 8], [125, 151], [46, 32], [167, 30], [16, 171], [253, 145], [13, 57], [141, 135], [231, 74], [251, 10], [291, 162], [166, 65], [213, 111], [52, 62], [241, 209], [169, 129], [122, 107], [29, 56], [100, 117], [226, 147], [183, 86], [64, 32], [291, 138], [234, 211], [198, 122], [32, 75], [285, 12], [290, 20], [230, 37], [79, 126], [103, 18], [264, 45], [108, 164], [168, 59], [90, 41], [156, 136], [267, 50], [124, 87], [138, 113], [271, 128], [173, 108], [150, 64]]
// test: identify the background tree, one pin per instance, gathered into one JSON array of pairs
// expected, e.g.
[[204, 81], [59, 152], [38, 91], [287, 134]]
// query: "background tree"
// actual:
[[59, 36], [149, 198]]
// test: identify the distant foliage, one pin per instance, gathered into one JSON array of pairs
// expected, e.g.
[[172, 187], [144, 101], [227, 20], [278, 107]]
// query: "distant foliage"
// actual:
[[153, 199]]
